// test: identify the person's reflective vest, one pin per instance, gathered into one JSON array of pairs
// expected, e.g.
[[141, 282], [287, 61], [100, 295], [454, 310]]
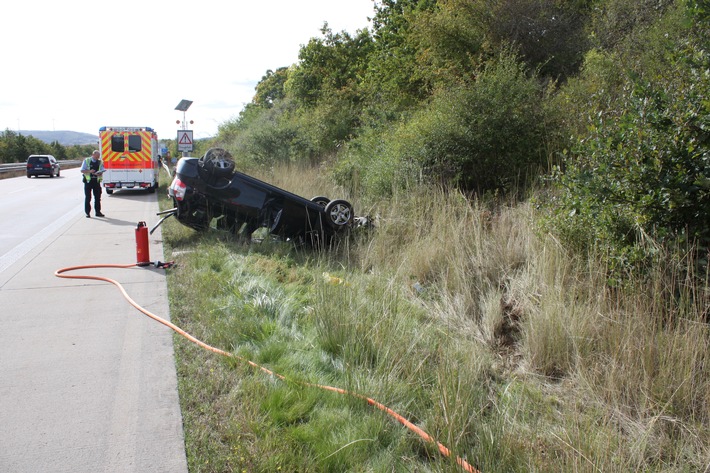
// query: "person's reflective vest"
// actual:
[[87, 177]]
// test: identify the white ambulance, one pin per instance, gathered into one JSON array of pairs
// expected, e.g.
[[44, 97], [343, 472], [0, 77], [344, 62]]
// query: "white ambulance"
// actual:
[[130, 156]]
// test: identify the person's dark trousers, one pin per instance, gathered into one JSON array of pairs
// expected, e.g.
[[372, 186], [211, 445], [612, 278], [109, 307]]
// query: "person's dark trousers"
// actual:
[[92, 186]]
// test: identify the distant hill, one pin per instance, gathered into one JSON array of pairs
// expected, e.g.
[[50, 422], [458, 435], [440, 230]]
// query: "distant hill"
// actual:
[[65, 138]]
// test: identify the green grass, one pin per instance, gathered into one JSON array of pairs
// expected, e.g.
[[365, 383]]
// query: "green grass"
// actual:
[[457, 315]]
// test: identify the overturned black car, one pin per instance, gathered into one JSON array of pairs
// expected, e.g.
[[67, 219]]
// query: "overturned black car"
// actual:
[[209, 188]]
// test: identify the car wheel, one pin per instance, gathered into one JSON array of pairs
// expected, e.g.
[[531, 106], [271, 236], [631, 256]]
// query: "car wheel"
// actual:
[[58, 171], [320, 200], [218, 161], [109, 191], [29, 176], [339, 213]]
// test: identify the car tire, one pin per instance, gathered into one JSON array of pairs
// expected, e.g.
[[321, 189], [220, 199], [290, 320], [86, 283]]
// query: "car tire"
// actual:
[[320, 200], [218, 162], [109, 191], [29, 176], [58, 171], [339, 214]]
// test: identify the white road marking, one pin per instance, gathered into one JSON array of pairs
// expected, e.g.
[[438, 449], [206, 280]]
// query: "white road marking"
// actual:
[[28, 245], [19, 190]]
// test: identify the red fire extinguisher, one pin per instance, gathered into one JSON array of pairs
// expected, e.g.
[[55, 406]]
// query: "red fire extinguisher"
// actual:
[[142, 249]]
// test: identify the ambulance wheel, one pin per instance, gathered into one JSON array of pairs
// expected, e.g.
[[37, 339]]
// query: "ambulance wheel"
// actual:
[[109, 191]]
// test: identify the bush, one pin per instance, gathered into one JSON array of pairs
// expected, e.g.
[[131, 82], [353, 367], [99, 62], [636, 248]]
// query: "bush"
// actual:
[[323, 128], [644, 171], [482, 137], [260, 136], [369, 168]]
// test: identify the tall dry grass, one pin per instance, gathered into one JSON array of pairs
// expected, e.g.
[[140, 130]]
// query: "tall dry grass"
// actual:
[[635, 364], [537, 358]]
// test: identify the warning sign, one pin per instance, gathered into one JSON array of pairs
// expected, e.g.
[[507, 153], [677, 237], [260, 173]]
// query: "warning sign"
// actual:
[[184, 140]]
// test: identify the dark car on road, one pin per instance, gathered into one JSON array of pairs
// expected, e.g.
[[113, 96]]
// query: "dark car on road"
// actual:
[[42, 165], [209, 189]]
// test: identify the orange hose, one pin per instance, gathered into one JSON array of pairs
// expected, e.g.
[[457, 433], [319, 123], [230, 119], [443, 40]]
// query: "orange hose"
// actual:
[[399, 418]]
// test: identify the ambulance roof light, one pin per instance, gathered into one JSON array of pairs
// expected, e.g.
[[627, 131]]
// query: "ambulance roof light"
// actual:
[[126, 128]]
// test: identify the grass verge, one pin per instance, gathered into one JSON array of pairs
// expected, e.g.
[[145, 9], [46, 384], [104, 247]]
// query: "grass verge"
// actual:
[[459, 316]]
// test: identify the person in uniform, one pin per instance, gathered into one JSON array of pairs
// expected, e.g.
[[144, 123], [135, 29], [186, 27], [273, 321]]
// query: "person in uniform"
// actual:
[[92, 169]]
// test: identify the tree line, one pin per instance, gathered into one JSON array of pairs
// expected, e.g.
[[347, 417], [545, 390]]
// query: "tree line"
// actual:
[[603, 102], [16, 147]]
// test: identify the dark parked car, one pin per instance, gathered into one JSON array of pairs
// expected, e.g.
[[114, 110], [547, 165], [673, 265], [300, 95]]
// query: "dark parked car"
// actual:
[[210, 188], [42, 165]]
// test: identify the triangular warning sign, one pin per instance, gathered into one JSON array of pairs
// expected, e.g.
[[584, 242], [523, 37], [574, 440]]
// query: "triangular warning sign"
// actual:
[[185, 140]]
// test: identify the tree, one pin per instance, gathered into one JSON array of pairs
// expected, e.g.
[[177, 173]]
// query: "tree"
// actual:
[[328, 65], [549, 34], [449, 42], [57, 150], [16, 147], [271, 87], [615, 21], [394, 80]]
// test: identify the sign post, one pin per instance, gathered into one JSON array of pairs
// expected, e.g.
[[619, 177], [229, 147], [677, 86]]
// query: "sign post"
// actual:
[[184, 141], [184, 137]]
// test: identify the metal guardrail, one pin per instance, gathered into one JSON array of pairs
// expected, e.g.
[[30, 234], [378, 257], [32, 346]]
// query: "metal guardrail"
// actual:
[[16, 167], [12, 167]]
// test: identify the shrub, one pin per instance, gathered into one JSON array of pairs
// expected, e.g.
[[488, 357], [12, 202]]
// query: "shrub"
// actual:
[[260, 136], [484, 136], [644, 170]]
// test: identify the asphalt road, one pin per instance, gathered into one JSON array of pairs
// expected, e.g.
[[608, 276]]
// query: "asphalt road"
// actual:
[[87, 383]]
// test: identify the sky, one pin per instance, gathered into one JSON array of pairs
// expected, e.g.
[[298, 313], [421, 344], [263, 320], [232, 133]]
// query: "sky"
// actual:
[[78, 65]]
